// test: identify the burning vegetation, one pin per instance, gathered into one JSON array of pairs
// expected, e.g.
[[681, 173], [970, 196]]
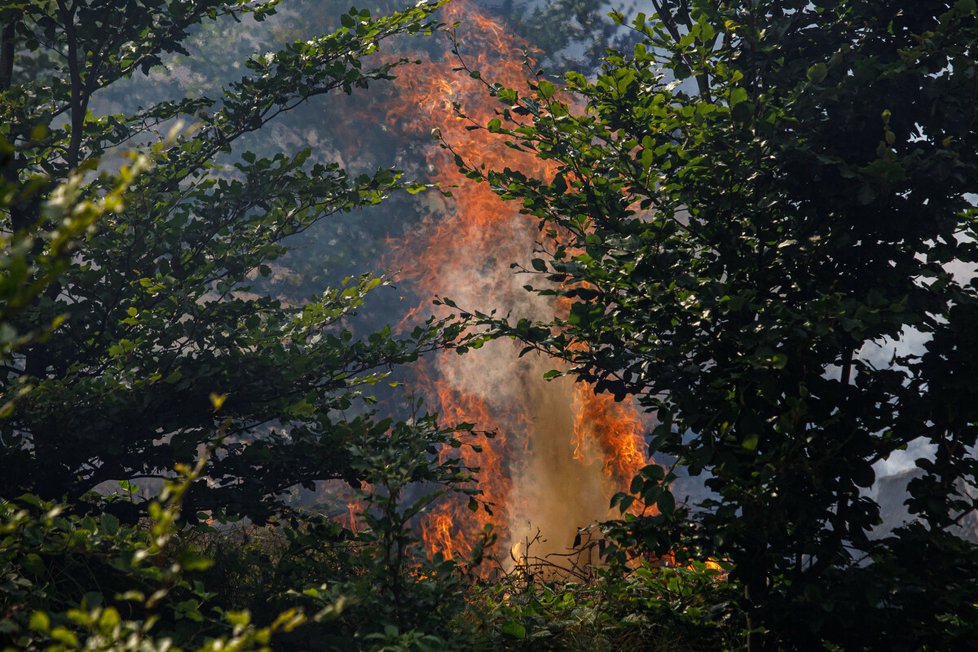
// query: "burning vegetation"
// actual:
[[559, 452], [755, 223]]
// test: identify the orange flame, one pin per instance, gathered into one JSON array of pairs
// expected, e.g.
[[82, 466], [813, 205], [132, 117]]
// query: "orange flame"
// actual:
[[560, 451], [353, 511], [613, 428]]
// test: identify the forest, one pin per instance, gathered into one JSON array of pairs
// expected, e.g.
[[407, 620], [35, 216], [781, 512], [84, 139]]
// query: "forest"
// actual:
[[488, 325]]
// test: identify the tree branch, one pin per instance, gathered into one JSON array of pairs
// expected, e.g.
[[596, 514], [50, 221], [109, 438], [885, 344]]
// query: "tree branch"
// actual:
[[7, 54], [79, 102]]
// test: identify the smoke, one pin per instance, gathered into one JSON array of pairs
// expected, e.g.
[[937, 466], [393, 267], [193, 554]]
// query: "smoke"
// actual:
[[554, 457], [560, 452], [554, 452]]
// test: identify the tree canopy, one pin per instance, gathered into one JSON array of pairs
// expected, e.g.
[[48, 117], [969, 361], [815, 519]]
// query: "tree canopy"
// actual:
[[157, 308], [756, 212], [137, 349]]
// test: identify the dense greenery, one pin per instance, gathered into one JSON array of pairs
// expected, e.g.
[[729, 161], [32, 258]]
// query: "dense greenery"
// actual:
[[156, 307], [134, 353], [760, 208]]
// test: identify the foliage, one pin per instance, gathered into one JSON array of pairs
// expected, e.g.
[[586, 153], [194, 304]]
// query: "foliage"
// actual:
[[759, 210], [32, 259], [92, 582], [392, 594], [645, 608], [132, 342], [137, 599], [156, 304], [394, 464]]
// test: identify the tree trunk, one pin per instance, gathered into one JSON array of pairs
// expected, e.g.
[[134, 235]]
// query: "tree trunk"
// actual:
[[7, 40]]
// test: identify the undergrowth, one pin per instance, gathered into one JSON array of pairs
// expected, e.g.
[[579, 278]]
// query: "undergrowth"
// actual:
[[73, 582]]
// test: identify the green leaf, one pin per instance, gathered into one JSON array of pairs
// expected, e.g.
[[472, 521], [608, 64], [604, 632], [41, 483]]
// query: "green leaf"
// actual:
[[742, 112], [40, 622], [737, 96], [513, 629], [507, 96], [777, 361], [666, 503], [238, 618], [64, 636], [817, 72], [192, 561], [559, 184]]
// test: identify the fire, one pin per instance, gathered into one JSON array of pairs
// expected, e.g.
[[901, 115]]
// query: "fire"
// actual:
[[437, 533], [353, 511], [560, 451], [609, 427]]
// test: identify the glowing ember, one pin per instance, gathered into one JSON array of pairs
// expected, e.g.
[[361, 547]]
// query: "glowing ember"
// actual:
[[561, 452]]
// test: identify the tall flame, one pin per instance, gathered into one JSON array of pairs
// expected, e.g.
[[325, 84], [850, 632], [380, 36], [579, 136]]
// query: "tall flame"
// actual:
[[560, 451]]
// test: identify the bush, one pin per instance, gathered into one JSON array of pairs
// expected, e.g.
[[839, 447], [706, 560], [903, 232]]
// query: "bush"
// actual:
[[643, 607]]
